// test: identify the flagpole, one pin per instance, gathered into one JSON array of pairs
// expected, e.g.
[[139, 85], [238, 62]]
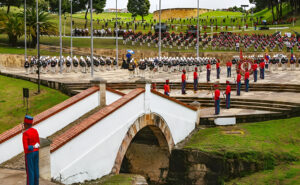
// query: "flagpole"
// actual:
[[71, 48], [197, 29], [25, 28], [38, 44], [92, 39], [159, 42], [117, 42], [60, 38]]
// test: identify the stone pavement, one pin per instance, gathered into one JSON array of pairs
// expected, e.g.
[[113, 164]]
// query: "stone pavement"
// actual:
[[17, 177], [121, 75]]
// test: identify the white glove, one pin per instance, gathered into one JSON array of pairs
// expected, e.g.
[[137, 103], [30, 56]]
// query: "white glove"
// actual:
[[36, 145]]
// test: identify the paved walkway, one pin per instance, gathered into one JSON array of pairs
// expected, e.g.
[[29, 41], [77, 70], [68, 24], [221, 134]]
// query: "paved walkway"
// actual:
[[17, 177], [121, 75]]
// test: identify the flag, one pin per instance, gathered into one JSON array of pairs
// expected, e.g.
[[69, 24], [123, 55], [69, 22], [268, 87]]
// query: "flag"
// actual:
[[267, 57]]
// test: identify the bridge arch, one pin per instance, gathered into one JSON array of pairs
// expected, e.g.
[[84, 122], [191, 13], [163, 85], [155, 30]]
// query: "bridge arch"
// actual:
[[156, 129]]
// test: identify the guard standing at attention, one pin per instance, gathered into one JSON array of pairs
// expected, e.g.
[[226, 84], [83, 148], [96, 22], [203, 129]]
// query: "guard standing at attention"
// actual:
[[183, 82], [238, 82], [31, 144], [229, 64], [208, 68], [195, 80], [254, 67], [262, 70], [218, 69], [228, 91], [217, 99], [167, 88], [247, 75]]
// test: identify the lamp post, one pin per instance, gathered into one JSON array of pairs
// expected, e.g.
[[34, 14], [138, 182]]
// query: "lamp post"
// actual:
[[71, 44]]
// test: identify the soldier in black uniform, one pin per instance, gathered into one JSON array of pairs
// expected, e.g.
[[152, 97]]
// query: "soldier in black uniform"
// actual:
[[32, 65], [75, 64], [26, 66], [82, 64], [115, 63], [108, 64], [102, 64]]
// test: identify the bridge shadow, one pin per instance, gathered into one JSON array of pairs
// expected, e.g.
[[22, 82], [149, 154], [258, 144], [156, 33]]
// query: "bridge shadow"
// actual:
[[149, 149]]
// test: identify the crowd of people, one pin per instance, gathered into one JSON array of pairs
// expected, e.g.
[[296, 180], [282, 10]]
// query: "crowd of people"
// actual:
[[221, 41]]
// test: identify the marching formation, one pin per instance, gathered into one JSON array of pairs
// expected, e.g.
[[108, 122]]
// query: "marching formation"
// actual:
[[69, 64], [222, 41]]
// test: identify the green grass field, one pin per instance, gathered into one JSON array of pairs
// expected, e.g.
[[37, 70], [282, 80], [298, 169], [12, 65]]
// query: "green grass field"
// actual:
[[276, 137], [12, 110], [121, 179]]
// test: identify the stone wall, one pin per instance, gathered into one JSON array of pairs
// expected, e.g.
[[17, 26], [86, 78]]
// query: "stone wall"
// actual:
[[192, 167], [178, 13]]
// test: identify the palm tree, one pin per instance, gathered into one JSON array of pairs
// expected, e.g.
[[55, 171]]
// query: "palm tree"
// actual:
[[13, 26], [46, 26]]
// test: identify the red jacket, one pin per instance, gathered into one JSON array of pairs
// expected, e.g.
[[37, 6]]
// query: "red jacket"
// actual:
[[195, 75], [228, 89], [262, 65], [167, 88], [254, 67], [208, 66], [217, 94], [183, 77], [218, 65], [247, 74], [239, 77], [229, 64], [30, 138]]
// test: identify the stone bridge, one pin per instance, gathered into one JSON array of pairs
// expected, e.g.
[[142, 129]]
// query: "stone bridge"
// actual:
[[130, 133]]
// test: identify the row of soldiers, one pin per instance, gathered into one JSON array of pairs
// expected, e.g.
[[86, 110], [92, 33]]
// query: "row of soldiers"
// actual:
[[68, 64], [165, 64], [221, 41]]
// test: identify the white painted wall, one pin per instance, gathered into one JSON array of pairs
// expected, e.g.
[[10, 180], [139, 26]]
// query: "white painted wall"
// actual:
[[92, 154], [180, 119], [13, 146]]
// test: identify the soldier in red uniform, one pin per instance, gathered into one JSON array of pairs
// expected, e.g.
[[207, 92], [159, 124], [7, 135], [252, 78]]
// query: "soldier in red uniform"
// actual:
[[254, 68], [167, 88], [228, 91], [218, 69], [195, 80], [183, 82], [217, 99], [238, 82], [247, 75], [208, 68], [229, 64], [31, 144], [262, 70]]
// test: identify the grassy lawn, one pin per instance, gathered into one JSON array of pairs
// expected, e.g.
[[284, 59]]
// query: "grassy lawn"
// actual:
[[278, 138], [11, 101], [281, 175]]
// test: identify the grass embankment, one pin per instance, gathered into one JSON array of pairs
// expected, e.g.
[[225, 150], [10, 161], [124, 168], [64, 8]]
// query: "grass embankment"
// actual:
[[281, 175], [12, 110], [275, 144]]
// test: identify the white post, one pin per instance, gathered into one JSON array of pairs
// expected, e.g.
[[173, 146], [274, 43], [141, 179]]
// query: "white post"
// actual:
[[25, 28], [92, 39], [60, 38], [198, 29], [159, 42], [117, 30], [71, 46]]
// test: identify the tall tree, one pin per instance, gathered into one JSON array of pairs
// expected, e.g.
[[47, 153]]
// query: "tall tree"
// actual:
[[10, 3], [138, 7], [13, 26]]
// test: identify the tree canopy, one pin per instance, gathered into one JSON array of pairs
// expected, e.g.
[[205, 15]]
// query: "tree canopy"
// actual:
[[138, 7]]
